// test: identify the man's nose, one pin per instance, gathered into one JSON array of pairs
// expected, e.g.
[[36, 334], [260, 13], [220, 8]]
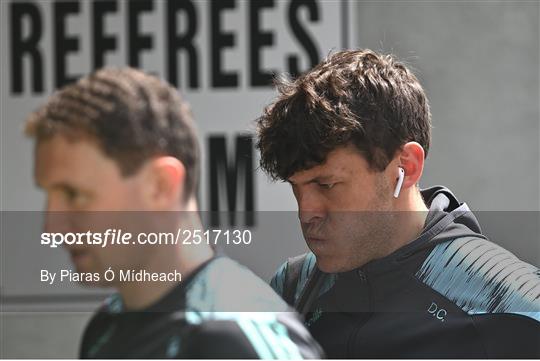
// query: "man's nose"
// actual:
[[310, 208], [57, 217], [55, 203]]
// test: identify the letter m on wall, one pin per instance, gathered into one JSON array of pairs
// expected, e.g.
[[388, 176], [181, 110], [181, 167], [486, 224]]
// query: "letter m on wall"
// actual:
[[231, 180]]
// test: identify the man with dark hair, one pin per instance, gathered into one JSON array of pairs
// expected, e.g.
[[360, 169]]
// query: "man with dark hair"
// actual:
[[117, 151], [394, 271]]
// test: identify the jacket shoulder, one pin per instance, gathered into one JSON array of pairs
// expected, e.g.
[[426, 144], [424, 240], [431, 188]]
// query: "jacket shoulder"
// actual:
[[279, 280], [226, 286], [481, 277], [265, 335]]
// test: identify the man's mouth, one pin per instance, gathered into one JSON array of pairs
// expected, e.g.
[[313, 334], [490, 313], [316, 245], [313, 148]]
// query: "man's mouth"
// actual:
[[317, 245], [315, 239]]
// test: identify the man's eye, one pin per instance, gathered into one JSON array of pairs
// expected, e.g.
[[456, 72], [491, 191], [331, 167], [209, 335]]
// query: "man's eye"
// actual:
[[70, 193], [327, 185], [74, 197]]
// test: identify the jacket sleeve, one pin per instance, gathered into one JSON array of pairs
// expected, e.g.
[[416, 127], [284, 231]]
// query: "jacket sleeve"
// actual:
[[506, 335]]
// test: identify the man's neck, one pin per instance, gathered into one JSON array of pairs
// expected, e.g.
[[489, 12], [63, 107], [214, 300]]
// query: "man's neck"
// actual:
[[183, 259], [411, 217]]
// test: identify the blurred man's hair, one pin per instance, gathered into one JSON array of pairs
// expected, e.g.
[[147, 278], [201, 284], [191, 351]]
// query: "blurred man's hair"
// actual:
[[132, 116], [353, 97]]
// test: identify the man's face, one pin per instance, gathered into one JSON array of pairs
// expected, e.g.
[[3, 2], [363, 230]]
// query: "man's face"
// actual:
[[344, 209], [85, 190]]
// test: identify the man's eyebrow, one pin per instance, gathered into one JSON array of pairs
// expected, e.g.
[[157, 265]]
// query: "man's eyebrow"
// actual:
[[63, 185], [56, 185], [322, 179], [318, 179]]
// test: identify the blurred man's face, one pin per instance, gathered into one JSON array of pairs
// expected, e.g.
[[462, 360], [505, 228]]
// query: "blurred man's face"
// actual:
[[84, 190], [344, 209]]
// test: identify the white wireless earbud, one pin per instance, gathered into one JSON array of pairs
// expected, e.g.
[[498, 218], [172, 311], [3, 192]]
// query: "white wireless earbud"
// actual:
[[399, 182]]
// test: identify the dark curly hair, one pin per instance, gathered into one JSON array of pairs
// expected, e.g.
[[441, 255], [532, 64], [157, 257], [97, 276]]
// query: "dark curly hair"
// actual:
[[130, 114], [355, 97]]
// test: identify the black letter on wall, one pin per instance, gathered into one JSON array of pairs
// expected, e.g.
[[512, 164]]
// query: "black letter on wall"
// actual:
[[301, 33], [102, 43], [181, 41], [20, 46], [136, 40], [230, 175], [63, 44], [218, 41], [257, 40]]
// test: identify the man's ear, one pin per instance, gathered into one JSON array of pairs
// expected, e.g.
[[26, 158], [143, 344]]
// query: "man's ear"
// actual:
[[411, 159], [166, 176]]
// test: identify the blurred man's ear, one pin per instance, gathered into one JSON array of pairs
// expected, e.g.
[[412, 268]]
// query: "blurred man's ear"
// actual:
[[165, 177], [411, 159]]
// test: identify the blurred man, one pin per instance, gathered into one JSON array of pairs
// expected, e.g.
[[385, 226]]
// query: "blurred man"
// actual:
[[394, 271], [121, 140]]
